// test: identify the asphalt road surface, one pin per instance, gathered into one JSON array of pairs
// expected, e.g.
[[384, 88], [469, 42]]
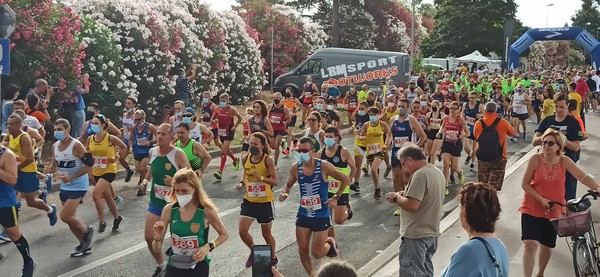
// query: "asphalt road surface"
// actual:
[[124, 253]]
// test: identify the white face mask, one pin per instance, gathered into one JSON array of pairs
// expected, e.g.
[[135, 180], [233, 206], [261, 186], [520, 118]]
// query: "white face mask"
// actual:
[[184, 199]]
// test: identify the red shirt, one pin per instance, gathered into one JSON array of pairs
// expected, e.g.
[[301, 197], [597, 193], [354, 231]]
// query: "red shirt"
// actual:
[[550, 185], [41, 117], [581, 88]]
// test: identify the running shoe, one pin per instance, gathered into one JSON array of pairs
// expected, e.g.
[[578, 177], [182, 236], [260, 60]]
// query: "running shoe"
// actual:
[[377, 194], [468, 160], [119, 201], [88, 238], [117, 223], [447, 191], [249, 261], [129, 175], [43, 195], [472, 168], [49, 182], [397, 212], [29, 268], [159, 272], [386, 174], [4, 237], [350, 212], [19, 205], [141, 192], [102, 227], [333, 250], [218, 175], [52, 216], [461, 178], [354, 187], [524, 136], [236, 164], [513, 139], [78, 252], [452, 180], [286, 151], [365, 170]]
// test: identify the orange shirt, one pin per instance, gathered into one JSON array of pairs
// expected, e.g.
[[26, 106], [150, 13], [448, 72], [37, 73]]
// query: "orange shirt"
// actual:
[[580, 122], [548, 184], [504, 129], [40, 116]]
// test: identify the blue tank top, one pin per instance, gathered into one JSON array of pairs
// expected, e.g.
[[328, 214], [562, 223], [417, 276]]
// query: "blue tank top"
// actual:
[[439, 98], [500, 108], [206, 110], [401, 133], [69, 164], [8, 194], [139, 137], [88, 130], [471, 116], [313, 193]]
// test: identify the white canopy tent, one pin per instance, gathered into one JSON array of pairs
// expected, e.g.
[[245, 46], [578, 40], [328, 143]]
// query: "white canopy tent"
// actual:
[[475, 57]]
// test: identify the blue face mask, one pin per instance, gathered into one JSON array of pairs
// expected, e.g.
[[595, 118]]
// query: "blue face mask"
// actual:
[[303, 157], [95, 128], [205, 100], [319, 107], [187, 120], [373, 118], [362, 113], [60, 135], [223, 104], [329, 141], [179, 114]]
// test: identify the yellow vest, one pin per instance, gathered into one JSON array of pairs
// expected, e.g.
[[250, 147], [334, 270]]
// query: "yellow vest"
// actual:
[[14, 144]]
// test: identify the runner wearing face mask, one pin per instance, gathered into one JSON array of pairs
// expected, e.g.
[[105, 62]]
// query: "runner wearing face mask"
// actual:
[[208, 109], [314, 131], [198, 132], [352, 99], [143, 139], [373, 134], [416, 114], [472, 111], [224, 117], [433, 123], [360, 117], [453, 130], [412, 93], [279, 117], [177, 118], [292, 104], [258, 180], [450, 97], [520, 103], [390, 111], [308, 89], [341, 158]]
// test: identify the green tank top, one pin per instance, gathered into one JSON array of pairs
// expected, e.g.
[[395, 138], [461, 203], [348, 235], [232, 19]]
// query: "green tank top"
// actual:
[[195, 161], [161, 166], [186, 238], [334, 184]]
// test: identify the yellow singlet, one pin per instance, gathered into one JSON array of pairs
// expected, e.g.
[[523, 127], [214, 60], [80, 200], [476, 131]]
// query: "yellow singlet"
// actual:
[[257, 191], [14, 144], [104, 156], [374, 140]]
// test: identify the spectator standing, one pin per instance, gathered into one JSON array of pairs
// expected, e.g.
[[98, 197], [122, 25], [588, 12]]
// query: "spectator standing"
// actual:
[[421, 80], [432, 80], [332, 91], [583, 90], [182, 85], [491, 131], [596, 78], [37, 109], [421, 204], [12, 92], [591, 96], [44, 92], [79, 107]]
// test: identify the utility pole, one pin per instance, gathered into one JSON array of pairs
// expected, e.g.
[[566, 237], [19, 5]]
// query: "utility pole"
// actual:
[[412, 34], [335, 26]]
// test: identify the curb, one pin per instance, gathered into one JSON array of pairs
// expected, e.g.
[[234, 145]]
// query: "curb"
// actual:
[[450, 217]]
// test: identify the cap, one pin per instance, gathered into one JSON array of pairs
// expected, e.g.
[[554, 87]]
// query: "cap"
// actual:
[[190, 110]]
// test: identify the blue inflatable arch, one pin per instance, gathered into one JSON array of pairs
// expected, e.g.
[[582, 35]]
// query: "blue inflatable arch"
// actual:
[[580, 35]]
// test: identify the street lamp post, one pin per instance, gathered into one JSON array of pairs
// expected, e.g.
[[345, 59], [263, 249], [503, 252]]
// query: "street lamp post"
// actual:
[[412, 34], [547, 7]]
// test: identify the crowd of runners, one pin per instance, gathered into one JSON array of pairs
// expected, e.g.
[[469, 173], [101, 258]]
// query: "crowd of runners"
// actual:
[[437, 112]]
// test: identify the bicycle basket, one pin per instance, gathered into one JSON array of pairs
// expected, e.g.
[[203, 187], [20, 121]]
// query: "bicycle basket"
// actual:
[[573, 224]]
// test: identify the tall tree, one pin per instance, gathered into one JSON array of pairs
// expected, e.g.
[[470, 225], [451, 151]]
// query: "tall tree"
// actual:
[[588, 13], [463, 26]]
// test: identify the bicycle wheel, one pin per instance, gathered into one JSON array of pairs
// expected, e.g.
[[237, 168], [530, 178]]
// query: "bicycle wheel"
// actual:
[[584, 260]]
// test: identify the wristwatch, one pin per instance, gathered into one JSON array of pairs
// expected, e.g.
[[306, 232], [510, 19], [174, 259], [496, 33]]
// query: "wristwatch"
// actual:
[[335, 196]]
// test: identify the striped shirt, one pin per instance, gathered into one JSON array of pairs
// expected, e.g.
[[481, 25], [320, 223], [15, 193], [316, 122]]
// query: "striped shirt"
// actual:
[[313, 193]]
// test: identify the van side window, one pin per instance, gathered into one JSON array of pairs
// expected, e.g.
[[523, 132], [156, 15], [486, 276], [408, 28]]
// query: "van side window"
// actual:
[[311, 67]]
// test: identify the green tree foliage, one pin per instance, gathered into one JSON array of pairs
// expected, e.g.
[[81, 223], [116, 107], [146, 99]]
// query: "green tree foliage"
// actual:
[[588, 13], [466, 25]]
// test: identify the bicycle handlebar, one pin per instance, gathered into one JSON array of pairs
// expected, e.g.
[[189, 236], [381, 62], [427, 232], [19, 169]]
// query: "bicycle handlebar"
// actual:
[[591, 193]]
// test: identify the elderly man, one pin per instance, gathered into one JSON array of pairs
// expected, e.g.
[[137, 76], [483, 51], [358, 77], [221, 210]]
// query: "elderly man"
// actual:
[[44, 92], [492, 153], [421, 204]]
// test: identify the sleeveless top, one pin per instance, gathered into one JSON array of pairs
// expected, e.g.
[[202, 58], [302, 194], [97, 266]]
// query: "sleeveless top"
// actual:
[[176, 122], [471, 115], [141, 137], [439, 97], [224, 115], [411, 96], [435, 123], [308, 94], [161, 166], [549, 183], [313, 193], [257, 191], [340, 165], [401, 133], [88, 130], [196, 132], [315, 137], [389, 115], [452, 129], [8, 194], [186, 238], [127, 122], [69, 164], [352, 101], [463, 99], [499, 101], [374, 140], [519, 106], [277, 117], [359, 123], [252, 124], [14, 144], [102, 152], [195, 161]]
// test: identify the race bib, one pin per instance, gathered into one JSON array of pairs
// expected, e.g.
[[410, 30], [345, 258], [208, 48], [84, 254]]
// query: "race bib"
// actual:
[[18, 160], [398, 141], [307, 93], [161, 192], [184, 245], [100, 162], [126, 133], [223, 132], [452, 135], [141, 141], [374, 148], [276, 119], [334, 184], [352, 105], [470, 120], [312, 203], [256, 190]]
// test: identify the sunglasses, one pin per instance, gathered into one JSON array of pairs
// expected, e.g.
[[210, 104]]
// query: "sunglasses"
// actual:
[[472, 97], [138, 119], [187, 115], [453, 109], [311, 119], [302, 150], [549, 143]]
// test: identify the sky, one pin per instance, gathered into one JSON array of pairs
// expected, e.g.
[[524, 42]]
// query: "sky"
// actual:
[[533, 13]]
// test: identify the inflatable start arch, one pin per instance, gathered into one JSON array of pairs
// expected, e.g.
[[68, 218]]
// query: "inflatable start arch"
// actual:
[[580, 35]]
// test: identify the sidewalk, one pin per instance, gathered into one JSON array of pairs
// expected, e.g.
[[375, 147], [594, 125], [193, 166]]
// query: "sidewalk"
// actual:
[[508, 227]]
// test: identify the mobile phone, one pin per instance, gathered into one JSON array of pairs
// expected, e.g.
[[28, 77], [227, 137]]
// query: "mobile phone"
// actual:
[[262, 261]]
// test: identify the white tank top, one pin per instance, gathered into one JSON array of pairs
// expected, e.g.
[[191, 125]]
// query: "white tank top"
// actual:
[[127, 122], [195, 133], [519, 106], [67, 163], [411, 97], [176, 123]]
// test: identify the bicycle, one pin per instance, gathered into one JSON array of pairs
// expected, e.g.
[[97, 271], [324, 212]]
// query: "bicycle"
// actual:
[[577, 225]]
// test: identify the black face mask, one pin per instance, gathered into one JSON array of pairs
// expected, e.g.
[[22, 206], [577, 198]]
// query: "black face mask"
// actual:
[[253, 150], [89, 114], [276, 101], [371, 102], [434, 109], [288, 95]]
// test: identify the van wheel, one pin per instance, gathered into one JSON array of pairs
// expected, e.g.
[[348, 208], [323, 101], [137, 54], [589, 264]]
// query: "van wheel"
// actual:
[[294, 91]]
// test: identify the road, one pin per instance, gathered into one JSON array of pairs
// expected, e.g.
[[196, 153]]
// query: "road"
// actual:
[[124, 253]]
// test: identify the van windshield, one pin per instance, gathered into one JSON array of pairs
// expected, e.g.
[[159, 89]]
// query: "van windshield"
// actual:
[[312, 66]]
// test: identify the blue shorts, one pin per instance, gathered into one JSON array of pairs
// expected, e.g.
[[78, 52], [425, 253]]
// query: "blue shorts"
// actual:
[[315, 224], [155, 210], [395, 161], [27, 182], [71, 194], [140, 157]]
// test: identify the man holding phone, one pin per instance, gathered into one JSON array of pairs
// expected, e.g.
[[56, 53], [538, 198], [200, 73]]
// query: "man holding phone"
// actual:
[[313, 215], [44, 92]]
